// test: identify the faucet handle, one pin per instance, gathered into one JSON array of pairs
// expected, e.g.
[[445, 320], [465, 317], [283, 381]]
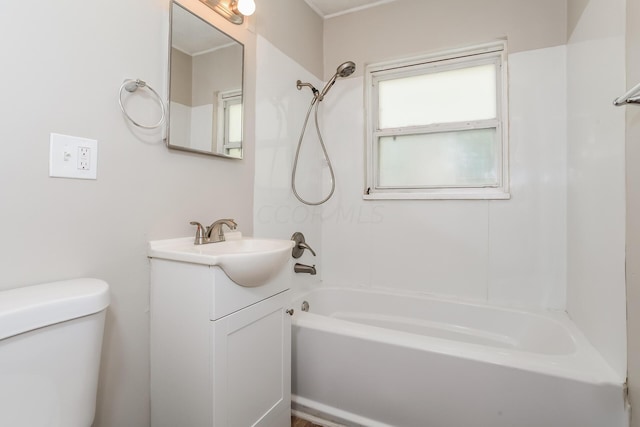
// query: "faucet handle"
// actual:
[[199, 233], [303, 245], [300, 245]]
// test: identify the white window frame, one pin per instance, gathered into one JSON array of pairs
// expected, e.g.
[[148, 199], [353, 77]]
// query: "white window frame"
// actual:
[[225, 99], [454, 59]]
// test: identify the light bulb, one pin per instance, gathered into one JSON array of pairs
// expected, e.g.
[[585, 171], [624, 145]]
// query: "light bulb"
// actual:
[[246, 7]]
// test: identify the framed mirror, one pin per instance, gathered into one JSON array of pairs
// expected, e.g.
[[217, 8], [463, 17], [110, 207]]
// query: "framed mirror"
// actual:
[[205, 87]]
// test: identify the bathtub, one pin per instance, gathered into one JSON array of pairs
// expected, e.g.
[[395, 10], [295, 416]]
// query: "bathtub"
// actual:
[[376, 358]]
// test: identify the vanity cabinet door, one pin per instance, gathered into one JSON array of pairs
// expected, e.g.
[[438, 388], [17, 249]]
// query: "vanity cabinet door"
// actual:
[[252, 365]]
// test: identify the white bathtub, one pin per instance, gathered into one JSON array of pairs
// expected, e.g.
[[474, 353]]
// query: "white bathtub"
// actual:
[[375, 358]]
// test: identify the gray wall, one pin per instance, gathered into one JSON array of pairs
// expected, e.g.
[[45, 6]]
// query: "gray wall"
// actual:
[[222, 79], [409, 27], [295, 29], [181, 77], [63, 63]]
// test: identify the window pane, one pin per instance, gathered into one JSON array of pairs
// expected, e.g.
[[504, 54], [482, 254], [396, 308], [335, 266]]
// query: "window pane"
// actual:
[[235, 123], [444, 97], [462, 158]]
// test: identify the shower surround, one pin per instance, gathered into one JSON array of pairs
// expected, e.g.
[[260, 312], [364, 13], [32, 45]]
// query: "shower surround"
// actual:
[[563, 137]]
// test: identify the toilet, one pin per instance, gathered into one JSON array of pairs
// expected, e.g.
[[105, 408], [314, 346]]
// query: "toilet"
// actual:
[[50, 345]]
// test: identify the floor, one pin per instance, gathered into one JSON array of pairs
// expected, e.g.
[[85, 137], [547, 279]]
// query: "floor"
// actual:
[[298, 422]]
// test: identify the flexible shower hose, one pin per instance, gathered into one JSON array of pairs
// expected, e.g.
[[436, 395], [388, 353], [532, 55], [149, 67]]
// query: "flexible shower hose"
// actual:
[[324, 150]]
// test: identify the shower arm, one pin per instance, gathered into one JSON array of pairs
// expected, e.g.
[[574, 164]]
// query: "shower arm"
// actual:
[[299, 86]]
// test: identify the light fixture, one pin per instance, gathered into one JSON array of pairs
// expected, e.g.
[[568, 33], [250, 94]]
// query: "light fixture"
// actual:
[[246, 7], [232, 10]]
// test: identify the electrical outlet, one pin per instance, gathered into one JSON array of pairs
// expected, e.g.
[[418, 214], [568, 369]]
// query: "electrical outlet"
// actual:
[[73, 157], [84, 158]]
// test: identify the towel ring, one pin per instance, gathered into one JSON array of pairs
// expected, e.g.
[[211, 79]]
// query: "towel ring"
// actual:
[[131, 86], [631, 97]]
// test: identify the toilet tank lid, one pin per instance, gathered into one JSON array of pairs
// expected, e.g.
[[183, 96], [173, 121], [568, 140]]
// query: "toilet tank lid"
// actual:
[[31, 307]]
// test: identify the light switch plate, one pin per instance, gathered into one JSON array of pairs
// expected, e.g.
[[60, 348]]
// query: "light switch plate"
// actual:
[[73, 157]]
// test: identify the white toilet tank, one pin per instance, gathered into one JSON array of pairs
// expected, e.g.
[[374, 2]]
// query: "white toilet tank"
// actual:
[[50, 344]]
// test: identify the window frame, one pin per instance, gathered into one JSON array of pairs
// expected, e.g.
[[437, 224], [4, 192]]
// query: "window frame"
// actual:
[[433, 63], [224, 100]]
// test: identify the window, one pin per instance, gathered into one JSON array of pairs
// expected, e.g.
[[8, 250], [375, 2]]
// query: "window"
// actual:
[[230, 123], [436, 126]]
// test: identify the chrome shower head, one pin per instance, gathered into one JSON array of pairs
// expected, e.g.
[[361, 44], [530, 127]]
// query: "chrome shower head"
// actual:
[[344, 70]]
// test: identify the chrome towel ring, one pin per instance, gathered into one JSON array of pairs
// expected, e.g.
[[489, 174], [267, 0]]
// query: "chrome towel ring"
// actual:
[[131, 86], [631, 97]]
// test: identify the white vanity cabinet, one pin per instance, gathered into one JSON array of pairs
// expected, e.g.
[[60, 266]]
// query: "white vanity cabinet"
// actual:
[[220, 352]]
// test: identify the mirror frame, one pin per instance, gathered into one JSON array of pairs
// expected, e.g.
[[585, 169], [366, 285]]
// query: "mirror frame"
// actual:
[[175, 3]]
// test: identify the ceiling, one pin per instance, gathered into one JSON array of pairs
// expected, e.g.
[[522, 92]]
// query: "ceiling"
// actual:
[[331, 8], [194, 36]]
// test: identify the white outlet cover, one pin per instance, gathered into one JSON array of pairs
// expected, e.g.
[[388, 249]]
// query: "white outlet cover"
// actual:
[[64, 157]]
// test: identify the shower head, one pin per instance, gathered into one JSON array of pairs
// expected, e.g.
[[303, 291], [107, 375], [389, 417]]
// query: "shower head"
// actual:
[[344, 70]]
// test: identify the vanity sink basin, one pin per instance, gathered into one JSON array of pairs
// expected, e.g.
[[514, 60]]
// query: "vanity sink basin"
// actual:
[[247, 261]]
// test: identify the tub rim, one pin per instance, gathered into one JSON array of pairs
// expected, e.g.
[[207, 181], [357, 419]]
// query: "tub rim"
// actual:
[[585, 364]]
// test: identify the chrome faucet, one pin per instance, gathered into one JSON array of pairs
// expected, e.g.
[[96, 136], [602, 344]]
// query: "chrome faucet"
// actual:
[[213, 233], [303, 268]]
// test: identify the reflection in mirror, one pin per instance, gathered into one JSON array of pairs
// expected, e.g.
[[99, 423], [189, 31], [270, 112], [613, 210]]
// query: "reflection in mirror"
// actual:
[[205, 92]]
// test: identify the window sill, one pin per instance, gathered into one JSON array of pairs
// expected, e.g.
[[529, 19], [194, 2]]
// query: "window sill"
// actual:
[[492, 194]]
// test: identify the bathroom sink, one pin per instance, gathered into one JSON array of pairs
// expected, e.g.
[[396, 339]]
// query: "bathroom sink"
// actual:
[[247, 261]]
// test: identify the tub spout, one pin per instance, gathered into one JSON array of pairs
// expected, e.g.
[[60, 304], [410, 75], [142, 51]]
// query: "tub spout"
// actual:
[[302, 268]]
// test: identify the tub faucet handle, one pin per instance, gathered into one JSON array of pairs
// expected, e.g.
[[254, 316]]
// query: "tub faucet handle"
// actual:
[[199, 233], [300, 245], [303, 245]]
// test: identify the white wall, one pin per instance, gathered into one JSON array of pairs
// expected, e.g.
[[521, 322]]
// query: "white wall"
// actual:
[[287, 50], [507, 252], [566, 217], [201, 128], [63, 63], [633, 210], [596, 177], [527, 243], [280, 113], [559, 242]]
